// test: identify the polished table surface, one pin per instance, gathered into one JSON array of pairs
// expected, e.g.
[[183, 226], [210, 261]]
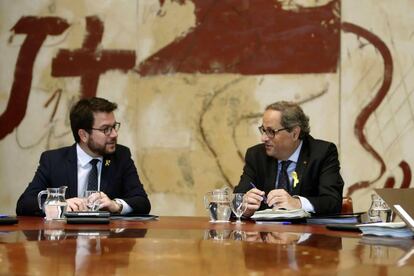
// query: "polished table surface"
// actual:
[[193, 246]]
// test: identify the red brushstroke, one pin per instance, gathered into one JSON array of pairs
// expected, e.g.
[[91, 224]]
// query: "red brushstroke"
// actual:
[[89, 62], [390, 182], [252, 37], [406, 173], [374, 103], [37, 29]]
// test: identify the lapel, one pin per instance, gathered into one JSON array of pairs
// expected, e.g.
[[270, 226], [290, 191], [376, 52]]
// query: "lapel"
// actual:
[[301, 166], [270, 180], [107, 167], [72, 173]]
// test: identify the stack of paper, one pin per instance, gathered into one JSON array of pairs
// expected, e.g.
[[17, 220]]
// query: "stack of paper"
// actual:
[[280, 214], [390, 229]]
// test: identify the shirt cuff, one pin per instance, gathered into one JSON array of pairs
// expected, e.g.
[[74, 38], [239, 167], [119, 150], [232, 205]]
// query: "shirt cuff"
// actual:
[[125, 207], [306, 205]]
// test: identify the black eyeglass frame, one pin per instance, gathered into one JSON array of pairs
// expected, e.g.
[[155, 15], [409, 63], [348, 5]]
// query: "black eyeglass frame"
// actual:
[[271, 133], [108, 130]]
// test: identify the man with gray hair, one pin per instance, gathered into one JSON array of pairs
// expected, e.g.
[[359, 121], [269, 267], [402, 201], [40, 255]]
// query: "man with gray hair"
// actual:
[[291, 169]]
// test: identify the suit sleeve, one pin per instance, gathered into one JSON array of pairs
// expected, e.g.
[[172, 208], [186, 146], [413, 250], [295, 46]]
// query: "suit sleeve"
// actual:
[[330, 186], [253, 172], [27, 204], [249, 174], [133, 190]]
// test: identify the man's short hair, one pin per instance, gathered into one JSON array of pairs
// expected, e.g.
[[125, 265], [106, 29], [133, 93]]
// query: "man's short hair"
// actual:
[[292, 115], [81, 114]]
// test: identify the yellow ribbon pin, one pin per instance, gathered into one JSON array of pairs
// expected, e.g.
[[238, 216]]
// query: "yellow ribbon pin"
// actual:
[[107, 163], [295, 179]]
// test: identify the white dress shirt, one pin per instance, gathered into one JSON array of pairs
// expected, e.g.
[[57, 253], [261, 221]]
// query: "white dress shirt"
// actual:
[[306, 205], [84, 167]]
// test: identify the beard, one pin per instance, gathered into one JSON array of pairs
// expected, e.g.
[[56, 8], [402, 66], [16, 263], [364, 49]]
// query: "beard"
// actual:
[[101, 150]]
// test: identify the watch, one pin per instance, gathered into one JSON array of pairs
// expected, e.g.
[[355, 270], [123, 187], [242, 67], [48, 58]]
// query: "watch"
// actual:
[[119, 203]]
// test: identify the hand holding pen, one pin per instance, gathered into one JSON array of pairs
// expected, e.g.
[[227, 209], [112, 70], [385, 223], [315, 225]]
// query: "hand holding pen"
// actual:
[[254, 198], [254, 186]]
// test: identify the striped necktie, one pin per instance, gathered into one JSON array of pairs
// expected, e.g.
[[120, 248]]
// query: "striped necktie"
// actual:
[[283, 182], [93, 176]]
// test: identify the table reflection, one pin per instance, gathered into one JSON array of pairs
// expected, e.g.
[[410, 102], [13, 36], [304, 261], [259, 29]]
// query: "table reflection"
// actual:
[[85, 251], [64, 234], [224, 234], [290, 251], [194, 246], [385, 250], [274, 238], [248, 236]]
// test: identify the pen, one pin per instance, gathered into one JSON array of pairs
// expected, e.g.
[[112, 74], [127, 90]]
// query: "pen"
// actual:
[[274, 222], [254, 186]]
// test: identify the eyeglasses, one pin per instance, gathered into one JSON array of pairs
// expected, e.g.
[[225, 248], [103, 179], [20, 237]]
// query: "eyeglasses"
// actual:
[[108, 130], [271, 133]]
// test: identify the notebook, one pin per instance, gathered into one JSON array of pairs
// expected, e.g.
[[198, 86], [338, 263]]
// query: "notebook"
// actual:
[[401, 201], [98, 217]]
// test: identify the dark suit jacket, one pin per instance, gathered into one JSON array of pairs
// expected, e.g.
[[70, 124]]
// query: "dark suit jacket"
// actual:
[[317, 169], [119, 179]]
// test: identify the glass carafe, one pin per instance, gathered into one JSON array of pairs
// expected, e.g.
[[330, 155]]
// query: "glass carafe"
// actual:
[[55, 203], [217, 202]]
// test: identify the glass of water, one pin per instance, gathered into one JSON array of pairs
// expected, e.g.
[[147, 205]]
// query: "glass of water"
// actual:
[[93, 200], [238, 206]]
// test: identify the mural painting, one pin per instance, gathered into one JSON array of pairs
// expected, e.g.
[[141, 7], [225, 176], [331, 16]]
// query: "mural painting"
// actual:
[[192, 78]]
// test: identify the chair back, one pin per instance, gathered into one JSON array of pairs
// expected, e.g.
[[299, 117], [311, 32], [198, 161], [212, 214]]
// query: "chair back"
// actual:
[[347, 206]]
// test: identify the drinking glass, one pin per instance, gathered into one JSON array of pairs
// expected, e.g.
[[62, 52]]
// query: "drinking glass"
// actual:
[[238, 206], [92, 200]]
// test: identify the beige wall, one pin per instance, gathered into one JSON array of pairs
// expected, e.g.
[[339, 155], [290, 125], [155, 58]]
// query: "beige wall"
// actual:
[[164, 116]]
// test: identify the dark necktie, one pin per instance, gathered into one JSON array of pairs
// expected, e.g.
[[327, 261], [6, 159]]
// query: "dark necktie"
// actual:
[[93, 176], [283, 182]]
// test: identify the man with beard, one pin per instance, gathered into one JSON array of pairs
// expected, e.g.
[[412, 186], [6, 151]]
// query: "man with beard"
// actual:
[[95, 131], [291, 169]]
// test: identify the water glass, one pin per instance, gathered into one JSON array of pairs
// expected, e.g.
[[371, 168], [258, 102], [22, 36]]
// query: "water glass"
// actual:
[[238, 206], [93, 200]]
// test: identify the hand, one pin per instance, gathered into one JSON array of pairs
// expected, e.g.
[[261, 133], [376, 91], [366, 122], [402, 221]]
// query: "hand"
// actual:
[[254, 198], [76, 204], [279, 198], [108, 204]]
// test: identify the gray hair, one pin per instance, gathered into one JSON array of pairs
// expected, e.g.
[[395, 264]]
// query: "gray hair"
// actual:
[[292, 115]]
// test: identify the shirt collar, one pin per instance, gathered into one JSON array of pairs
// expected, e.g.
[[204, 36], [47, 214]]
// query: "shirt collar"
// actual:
[[83, 157], [295, 155]]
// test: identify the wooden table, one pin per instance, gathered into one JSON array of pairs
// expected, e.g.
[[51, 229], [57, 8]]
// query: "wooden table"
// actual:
[[193, 246]]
